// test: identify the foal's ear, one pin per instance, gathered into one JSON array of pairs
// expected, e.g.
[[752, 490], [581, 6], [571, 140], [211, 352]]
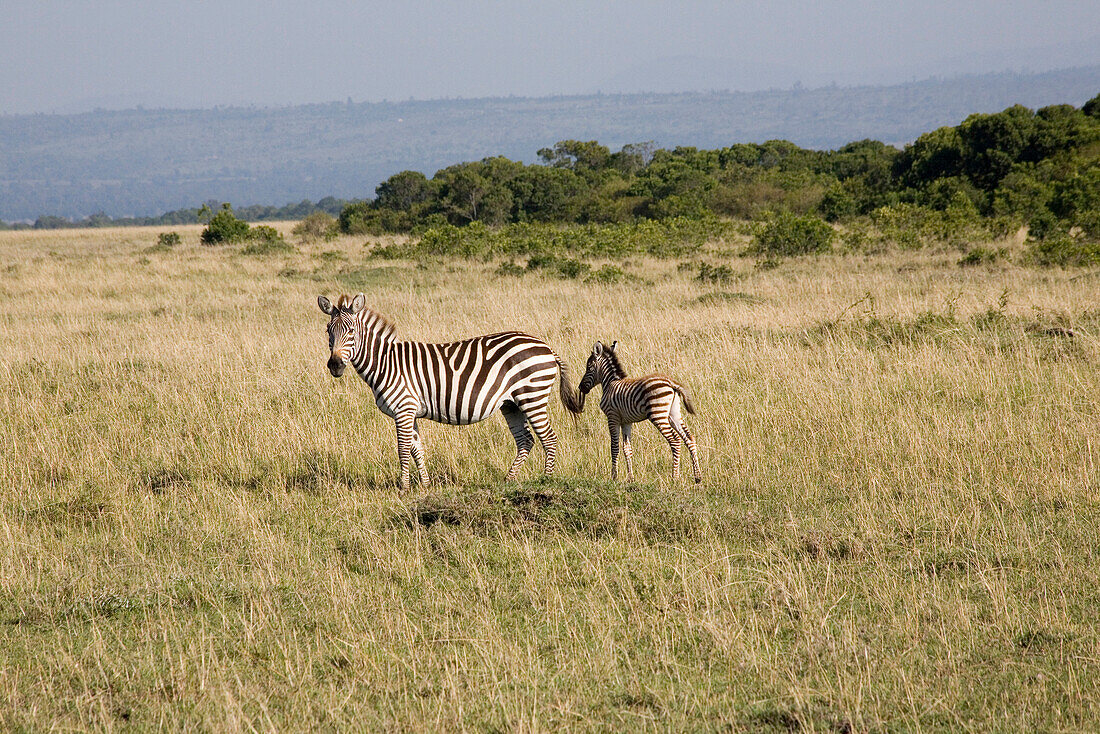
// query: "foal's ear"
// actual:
[[598, 349], [613, 345], [359, 303], [324, 304]]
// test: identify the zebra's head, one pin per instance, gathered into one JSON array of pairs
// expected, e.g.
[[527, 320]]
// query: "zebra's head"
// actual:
[[603, 364], [343, 329]]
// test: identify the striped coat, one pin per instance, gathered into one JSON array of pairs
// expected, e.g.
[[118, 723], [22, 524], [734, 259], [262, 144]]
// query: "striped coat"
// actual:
[[459, 383], [629, 400]]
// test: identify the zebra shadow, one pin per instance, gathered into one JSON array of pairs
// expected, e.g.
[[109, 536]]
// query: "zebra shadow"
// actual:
[[592, 508]]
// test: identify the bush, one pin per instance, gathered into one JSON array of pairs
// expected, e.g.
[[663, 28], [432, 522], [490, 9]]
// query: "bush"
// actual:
[[1063, 250], [266, 240], [359, 218], [785, 234], [316, 226], [569, 268], [224, 228], [982, 256], [665, 238], [511, 269], [607, 274], [838, 203], [168, 239], [714, 273]]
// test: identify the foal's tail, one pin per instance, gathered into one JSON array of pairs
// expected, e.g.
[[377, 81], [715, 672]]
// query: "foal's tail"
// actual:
[[570, 398], [685, 396]]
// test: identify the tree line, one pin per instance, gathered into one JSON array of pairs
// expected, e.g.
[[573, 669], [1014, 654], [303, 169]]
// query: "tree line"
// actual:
[[1040, 168], [196, 215]]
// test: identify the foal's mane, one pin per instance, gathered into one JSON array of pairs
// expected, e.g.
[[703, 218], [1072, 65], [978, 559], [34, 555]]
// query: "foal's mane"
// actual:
[[618, 372]]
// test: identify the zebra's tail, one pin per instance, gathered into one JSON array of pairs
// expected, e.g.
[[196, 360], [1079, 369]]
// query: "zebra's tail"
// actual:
[[570, 398], [685, 396]]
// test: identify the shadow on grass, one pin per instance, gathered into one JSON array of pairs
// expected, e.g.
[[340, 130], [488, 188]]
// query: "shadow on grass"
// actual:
[[584, 507]]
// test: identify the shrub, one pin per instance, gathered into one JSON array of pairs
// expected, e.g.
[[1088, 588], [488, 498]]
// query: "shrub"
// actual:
[[569, 268], [359, 218], [714, 273], [982, 256], [838, 203], [510, 268], [785, 234], [266, 240], [168, 239], [1063, 250], [607, 274], [224, 228], [316, 226]]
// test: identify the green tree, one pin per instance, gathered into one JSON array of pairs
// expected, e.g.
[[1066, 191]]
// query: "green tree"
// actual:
[[402, 191], [223, 227], [478, 191], [577, 155], [1092, 107]]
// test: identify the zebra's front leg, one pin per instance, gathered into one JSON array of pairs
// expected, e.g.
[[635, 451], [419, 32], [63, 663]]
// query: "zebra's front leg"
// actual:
[[417, 448], [613, 429], [405, 438], [628, 452]]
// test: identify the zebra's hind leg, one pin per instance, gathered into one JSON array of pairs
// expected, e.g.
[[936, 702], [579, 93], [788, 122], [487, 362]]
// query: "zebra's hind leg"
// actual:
[[540, 424], [681, 428], [517, 424], [673, 437], [417, 449], [628, 452]]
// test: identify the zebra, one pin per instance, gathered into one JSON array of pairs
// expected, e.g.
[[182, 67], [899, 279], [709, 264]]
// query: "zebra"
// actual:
[[459, 383], [628, 400]]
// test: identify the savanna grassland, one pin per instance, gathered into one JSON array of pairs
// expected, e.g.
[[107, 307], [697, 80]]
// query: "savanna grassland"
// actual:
[[898, 527]]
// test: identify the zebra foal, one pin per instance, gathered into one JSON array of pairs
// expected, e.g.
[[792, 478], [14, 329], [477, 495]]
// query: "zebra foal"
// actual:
[[629, 400], [458, 383]]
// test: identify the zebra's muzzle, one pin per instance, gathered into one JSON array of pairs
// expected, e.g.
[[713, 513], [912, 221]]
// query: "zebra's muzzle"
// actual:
[[336, 366]]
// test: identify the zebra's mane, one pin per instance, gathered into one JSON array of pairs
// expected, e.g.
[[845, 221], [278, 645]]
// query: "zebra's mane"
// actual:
[[371, 318], [377, 322], [618, 372]]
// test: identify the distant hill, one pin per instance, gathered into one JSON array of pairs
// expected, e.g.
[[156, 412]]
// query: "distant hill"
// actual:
[[139, 162]]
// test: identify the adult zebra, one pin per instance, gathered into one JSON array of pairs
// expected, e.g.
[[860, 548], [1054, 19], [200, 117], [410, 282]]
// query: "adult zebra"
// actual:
[[459, 383]]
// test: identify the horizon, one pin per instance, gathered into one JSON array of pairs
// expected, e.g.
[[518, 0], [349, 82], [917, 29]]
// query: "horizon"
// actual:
[[428, 100], [580, 95], [157, 55]]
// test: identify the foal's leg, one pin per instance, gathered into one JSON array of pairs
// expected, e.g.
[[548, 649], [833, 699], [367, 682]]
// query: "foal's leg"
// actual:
[[628, 451], [673, 438], [681, 428], [613, 429]]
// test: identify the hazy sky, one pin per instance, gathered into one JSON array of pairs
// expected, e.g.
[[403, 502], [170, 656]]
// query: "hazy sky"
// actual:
[[63, 56]]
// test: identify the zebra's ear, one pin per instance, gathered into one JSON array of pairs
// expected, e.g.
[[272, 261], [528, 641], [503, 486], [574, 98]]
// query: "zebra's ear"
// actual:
[[613, 345], [324, 304], [359, 303], [598, 349]]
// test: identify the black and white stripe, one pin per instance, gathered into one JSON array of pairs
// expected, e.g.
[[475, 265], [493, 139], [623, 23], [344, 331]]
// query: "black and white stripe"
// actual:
[[459, 382], [629, 400]]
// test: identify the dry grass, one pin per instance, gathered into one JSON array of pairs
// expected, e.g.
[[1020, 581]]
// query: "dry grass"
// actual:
[[199, 529]]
